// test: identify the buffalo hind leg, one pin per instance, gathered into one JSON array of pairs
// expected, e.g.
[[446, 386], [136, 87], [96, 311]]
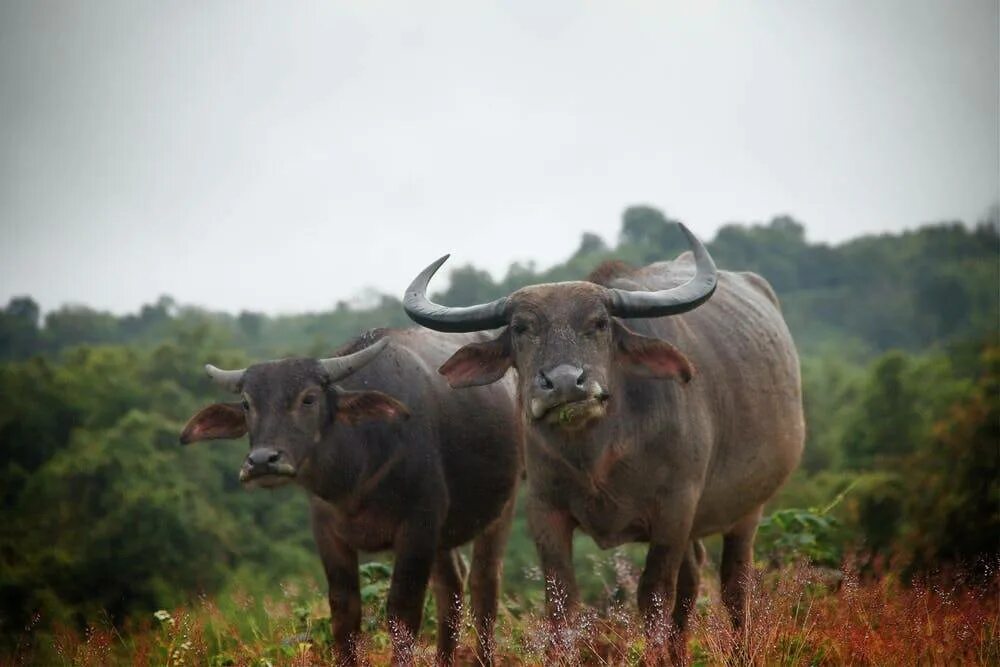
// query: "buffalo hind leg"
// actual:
[[737, 569], [485, 577], [446, 580]]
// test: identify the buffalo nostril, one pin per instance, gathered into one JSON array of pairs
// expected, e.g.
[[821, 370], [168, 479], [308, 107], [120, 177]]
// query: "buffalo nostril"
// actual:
[[262, 457], [544, 382]]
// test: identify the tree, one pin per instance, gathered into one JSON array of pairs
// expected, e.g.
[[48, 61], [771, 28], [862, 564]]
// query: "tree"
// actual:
[[590, 244], [469, 285], [953, 502], [19, 335], [250, 323], [72, 325], [647, 228], [111, 523]]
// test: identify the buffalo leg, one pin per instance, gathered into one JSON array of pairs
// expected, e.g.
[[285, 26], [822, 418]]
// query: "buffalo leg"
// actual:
[[484, 580], [552, 531], [688, 581], [340, 563], [670, 547], [657, 594], [446, 581], [416, 547], [737, 566]]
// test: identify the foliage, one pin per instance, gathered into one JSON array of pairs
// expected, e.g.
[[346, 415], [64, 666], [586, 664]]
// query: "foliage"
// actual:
[[871, 294], [789, 535], [954, 508]]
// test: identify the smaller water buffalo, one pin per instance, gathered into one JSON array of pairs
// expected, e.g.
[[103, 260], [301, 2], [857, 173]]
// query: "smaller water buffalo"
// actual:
[[419, 470]]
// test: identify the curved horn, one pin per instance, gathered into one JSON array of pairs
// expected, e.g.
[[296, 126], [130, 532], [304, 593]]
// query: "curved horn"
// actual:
[[340, 367], [425, 312], [674, 300], [229, 380]]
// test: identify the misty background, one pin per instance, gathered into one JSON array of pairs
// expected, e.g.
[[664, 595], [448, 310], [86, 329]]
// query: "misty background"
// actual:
[[281, 157]]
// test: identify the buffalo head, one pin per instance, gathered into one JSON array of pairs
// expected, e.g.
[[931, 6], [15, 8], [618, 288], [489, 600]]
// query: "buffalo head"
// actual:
[[565, 339], [288, 407]]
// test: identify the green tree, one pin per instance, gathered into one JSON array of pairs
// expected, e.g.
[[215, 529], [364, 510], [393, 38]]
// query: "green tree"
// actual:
[[953, 504], [112, 523], [655, 235], [19, 334]]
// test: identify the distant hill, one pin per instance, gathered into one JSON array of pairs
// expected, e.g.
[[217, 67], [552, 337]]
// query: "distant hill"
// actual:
[[935, 284]]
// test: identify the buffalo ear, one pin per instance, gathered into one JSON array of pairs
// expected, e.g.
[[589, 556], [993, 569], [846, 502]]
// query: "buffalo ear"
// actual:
[[221, 421], [354, 407], [477, 364], [650, 357]]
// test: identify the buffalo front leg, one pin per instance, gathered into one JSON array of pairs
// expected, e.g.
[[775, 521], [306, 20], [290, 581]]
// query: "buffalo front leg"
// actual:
[[657, 594], [446, 580], [340, 563], [552, 531], [669, 548], [416, 548], [688, 582], [484, 580]]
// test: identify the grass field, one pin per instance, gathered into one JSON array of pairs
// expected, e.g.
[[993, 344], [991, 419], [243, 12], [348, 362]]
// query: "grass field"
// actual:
[[798, 616]]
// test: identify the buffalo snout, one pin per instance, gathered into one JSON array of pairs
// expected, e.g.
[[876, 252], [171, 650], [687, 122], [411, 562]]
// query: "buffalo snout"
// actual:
[[563, 380], [564, 395], [266, 465]]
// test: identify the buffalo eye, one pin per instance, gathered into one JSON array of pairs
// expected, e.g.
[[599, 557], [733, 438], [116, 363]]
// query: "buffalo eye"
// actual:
[[598, 326], [519, 328], [308, 399], [246, 404]]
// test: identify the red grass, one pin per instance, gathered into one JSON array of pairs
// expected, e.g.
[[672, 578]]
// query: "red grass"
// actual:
[[798, 616]]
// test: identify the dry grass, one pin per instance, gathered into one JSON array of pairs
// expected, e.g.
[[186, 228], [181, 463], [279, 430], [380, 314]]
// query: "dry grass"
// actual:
[[798, 616]]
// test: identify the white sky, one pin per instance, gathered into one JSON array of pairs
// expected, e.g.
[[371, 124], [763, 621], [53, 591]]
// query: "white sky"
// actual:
[[279, 156]]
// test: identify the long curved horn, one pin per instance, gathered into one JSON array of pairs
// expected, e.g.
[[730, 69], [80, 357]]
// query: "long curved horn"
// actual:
[[229, 380], [340, 367], [425, 312], [675, 300]]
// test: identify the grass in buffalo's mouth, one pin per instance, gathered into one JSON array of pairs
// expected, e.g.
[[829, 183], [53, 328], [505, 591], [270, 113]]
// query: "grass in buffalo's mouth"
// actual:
[[575, 411], [798, 616]]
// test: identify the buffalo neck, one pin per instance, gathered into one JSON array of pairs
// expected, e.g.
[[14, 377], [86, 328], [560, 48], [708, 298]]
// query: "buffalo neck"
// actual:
[[345, 465], [589, 453], [581, 449]]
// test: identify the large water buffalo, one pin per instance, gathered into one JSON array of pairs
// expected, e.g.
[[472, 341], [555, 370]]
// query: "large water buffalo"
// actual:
[[419, 469], [614, 449]]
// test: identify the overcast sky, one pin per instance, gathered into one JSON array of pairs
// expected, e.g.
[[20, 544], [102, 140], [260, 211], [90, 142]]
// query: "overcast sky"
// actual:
[[281, 156]]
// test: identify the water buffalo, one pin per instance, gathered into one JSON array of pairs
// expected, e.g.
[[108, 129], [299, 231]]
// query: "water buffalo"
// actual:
[[613, 449], [418, 469]]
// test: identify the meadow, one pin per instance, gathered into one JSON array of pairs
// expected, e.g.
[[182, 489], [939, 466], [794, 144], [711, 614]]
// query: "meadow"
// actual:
[[799, 616]]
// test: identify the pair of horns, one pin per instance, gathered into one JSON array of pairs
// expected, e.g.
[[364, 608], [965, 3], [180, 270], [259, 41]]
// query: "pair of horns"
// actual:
[[621, 303], [337, 368]]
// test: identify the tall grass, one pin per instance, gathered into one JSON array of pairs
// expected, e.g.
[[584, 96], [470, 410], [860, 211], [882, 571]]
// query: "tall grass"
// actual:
[[797, 616]]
